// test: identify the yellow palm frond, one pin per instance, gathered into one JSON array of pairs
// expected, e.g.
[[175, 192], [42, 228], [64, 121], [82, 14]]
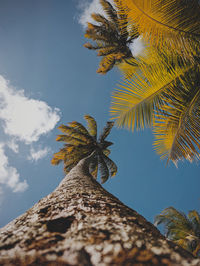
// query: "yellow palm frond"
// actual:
[[177, 128], [128, 67], [70, 140], [164, 23], [75, 133], [78, 126], [134, 103], [92, 125], [106, 64]]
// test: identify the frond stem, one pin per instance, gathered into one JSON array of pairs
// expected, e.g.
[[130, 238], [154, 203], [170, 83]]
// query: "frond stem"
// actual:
[[165, 25]]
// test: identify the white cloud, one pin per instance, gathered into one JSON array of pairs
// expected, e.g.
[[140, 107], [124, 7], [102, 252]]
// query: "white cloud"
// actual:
[[137, 47], [9, 175], [87, 8], [35, 155], [13, 146], [24, 118]]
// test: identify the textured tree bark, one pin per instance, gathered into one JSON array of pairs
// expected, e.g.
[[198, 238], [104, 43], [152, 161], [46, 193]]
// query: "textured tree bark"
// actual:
[[80, 223]]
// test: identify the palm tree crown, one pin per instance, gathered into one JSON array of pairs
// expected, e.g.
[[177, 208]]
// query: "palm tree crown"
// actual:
[[183, 230], [81, 143], [112, 44]]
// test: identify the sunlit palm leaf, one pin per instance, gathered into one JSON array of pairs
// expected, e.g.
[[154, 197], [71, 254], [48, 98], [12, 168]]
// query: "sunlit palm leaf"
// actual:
[[177, 129], [128, 67], [92, 126], [69, 139], [173, 23], [79, 127], [75, 133], [137, 99]]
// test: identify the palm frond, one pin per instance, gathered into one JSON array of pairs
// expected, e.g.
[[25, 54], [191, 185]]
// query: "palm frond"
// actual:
[[79, 127], [106, 131], [92, 126], [194, 216], [176, 223], [75, 133], [182, 229], [137, 99], [128, 67], [177, 129], [174, 24], [110, 11], [70, 140], [93, 168], [106, 152], [103, 169], [111, 165], [108, 62]]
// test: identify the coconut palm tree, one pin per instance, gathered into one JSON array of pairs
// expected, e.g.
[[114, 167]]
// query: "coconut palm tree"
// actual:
[[183, 229], [111, 44], [80, 223], [82, 142], [164, 90]]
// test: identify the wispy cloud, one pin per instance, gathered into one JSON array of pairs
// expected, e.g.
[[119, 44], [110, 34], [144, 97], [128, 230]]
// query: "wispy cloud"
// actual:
[[86, 9], [35, 155], [24, 120], [13, 146], [9, 175]]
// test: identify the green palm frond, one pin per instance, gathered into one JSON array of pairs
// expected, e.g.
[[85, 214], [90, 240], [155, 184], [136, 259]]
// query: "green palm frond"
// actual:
[[81, 143], [183, 229]]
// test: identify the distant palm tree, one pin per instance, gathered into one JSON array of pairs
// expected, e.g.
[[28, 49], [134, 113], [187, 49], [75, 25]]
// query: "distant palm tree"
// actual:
[[81, 143], [183, 230], [111, 37]]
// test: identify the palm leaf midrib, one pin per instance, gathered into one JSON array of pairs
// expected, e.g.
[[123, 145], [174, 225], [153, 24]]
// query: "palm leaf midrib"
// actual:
[[166, 25], [181, 125]]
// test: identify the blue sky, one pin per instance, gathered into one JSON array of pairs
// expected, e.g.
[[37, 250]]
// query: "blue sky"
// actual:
[[48, 78]]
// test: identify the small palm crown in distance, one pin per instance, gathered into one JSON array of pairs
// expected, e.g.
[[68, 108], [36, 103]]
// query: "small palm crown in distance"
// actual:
[[111, 38], [82, 142]]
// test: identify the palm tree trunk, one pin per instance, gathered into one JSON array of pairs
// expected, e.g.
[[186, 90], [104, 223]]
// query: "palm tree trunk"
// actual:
[[80, 223]]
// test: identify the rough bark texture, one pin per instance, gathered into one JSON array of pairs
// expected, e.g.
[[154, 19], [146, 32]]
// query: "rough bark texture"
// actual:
[[82, 224]]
